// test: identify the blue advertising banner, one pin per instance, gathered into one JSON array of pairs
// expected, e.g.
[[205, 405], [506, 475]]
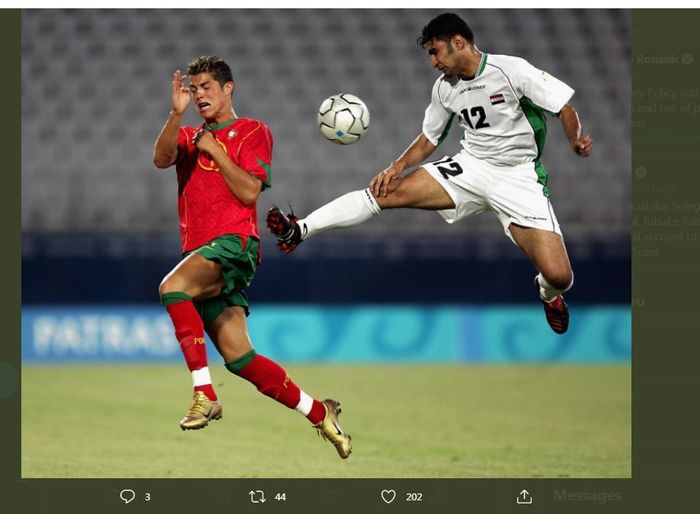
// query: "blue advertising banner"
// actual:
[[364, 333]]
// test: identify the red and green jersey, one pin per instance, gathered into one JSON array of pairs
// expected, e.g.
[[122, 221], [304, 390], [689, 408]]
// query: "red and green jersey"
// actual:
[[206, 205]]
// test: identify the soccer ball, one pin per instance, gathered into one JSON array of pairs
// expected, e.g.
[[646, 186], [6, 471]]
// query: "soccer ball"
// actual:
[[343, 118]]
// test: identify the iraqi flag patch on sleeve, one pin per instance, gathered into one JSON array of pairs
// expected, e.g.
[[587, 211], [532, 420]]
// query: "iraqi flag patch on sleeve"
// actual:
[[497, 99]]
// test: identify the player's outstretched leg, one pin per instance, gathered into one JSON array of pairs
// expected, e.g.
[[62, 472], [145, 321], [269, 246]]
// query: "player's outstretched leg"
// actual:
[[345, 211], [285, 228], [228, 331], [555, 309], [272, 380]]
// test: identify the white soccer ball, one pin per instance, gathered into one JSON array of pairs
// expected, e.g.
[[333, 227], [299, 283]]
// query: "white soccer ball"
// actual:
[[343, 118]]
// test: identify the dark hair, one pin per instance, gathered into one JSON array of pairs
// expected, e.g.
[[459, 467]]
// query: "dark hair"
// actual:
[[211, 64], [445, 26]]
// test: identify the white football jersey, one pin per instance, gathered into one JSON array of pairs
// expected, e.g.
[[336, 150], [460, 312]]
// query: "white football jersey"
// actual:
[[502, 109]]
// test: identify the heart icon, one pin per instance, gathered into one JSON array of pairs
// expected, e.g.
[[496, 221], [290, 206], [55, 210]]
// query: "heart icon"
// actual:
[[388, 495]]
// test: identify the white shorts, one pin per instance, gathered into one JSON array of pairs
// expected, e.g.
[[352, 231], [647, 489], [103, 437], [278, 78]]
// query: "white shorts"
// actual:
[[513, 193]]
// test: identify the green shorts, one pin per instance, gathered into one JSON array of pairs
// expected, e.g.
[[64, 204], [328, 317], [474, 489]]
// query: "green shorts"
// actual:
[[238, 266]]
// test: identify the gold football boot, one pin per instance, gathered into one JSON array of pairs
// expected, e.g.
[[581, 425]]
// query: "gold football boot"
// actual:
[[331, 430], [201, 411]]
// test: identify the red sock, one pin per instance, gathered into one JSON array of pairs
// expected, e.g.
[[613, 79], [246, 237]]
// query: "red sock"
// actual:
[[317, 414], [208, 390], [189, 331], [271, 380]]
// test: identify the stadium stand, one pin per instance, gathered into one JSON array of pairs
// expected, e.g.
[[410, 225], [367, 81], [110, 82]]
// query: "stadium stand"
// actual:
[[96, 93]]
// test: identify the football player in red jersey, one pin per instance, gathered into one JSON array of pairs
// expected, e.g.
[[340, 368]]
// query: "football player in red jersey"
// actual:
[[222, 167]]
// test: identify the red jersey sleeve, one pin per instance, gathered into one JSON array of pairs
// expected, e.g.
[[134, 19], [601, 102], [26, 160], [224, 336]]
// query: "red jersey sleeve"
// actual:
[[184, 142], [255, 153]]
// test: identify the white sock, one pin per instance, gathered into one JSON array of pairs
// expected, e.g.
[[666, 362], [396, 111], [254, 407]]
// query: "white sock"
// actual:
[[201, 377], [305, 403], [345, 211], [547, 292]]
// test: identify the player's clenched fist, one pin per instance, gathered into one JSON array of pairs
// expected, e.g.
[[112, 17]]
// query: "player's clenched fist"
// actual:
[[205, 141], [583, 146], [181, 94]]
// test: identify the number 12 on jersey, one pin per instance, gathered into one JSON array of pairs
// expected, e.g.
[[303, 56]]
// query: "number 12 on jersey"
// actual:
[[448, 168], [479, 114]]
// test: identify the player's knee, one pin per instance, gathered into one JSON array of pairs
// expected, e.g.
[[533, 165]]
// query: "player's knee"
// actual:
[[561, 279], [395, 198], [164, 287], [170, 284]]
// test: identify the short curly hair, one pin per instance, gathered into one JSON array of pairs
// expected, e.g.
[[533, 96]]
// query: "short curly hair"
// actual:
[[443, 27], [213, 65]]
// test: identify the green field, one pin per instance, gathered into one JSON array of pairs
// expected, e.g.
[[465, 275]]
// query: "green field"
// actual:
[[406, 421]]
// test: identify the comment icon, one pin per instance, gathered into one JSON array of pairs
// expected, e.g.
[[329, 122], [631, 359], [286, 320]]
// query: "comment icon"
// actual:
[[127, 495]]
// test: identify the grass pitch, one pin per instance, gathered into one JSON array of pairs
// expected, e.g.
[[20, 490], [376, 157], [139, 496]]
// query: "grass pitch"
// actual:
[[406, 421]]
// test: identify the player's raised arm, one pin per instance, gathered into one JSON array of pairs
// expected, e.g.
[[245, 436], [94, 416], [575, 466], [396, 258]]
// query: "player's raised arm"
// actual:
[[165, 148], [416, 153], [582, 144]]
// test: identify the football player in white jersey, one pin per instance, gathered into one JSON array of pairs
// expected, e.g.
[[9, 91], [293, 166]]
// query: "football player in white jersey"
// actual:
[[500, 102]]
